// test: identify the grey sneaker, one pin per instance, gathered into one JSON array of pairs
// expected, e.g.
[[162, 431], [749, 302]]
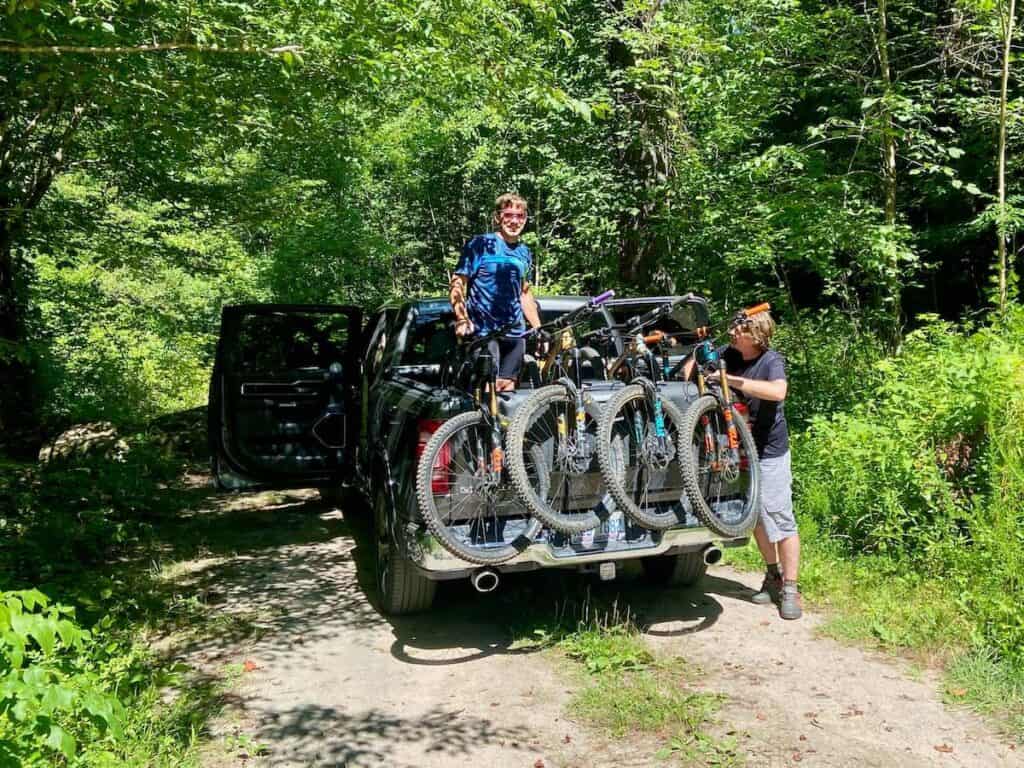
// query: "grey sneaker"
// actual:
[[791, 605], [771, 590]]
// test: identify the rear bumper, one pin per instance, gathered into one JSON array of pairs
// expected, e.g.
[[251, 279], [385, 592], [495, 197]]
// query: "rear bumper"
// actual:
[[438, 564]]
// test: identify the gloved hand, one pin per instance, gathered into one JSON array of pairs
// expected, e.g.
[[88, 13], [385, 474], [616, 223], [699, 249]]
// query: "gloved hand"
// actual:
[[542, 341]]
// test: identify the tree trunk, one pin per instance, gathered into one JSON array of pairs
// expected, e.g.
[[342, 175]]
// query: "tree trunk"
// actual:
[[1001, 234], [13, 371], [644, 162], [891, 286]]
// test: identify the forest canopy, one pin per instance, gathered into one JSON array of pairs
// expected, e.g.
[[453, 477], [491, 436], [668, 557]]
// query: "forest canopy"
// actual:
[[161, 158]]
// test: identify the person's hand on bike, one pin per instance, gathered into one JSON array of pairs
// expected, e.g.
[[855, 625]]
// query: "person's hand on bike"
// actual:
[[542, 341], [464, 327]]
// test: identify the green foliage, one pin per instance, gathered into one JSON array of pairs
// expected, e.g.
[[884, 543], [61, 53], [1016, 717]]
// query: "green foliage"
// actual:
[[926, 473], [54, 696], [609, 649]]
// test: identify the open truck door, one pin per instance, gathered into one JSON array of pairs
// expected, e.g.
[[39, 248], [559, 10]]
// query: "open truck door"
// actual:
[[283, 410]]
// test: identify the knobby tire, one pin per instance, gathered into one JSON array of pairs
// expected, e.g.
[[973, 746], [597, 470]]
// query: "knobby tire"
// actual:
[[478, 554], [518, 448], [609, 456], [691, 439]]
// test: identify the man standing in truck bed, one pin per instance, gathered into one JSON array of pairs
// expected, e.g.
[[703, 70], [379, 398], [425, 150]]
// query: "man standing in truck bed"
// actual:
[[491, 287]]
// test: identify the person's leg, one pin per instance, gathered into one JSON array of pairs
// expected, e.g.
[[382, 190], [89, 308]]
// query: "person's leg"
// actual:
[[510, 361], [765, 534], [777, 524], [767, 548], [789, 552]]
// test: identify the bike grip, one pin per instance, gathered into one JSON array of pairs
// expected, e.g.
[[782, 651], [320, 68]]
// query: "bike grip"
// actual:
[[601, 299], [654, 338], [757, 310]]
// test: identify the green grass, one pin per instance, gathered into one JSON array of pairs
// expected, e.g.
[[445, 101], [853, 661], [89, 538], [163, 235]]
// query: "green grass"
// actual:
[[624, 689], [988, 685], [88, 535]]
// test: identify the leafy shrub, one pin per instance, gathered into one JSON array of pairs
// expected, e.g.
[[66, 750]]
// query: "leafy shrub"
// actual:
[[53, 696], [830, 364], [928, 470]]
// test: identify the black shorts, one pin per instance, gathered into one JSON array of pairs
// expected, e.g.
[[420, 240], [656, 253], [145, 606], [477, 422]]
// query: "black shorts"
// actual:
[[508, 353]]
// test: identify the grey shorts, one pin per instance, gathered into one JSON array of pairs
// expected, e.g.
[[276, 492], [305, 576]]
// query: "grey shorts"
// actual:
[[777, 516]]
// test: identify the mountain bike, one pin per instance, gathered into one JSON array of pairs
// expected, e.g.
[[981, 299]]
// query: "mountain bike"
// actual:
[[638, 431], [722, 477], [552, 439], [460, 480]]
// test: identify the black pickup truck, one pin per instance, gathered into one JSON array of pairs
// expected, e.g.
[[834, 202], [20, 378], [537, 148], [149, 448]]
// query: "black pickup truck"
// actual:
[[313, 396]]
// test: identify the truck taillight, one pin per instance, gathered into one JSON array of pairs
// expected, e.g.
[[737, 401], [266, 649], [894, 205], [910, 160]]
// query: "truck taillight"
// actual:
[[439, 481]]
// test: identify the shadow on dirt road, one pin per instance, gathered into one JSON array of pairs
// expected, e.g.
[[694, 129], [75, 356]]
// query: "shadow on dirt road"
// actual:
[[292, 569]]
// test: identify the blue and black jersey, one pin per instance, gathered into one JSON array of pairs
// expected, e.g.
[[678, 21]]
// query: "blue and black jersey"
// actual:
[[496, 273]]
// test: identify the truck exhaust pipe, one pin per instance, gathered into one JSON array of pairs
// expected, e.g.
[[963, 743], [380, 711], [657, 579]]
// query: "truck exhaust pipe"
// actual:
[[485, 580], [712, 554]]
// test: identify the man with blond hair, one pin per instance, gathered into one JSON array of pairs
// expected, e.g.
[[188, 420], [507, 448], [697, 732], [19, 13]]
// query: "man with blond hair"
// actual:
[[490, 287]]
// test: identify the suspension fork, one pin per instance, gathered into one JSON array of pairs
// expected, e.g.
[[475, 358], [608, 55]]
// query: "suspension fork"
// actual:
[[730, 425], [497, 452], [581, 411]]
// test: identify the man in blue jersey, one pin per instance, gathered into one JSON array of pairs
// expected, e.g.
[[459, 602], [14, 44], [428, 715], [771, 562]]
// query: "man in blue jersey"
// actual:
[[491, 287]]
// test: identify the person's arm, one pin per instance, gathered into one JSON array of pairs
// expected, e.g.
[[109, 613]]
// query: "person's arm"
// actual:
[[688, 368], [772, 387], [530, 309], [763, 390], [457, 290]]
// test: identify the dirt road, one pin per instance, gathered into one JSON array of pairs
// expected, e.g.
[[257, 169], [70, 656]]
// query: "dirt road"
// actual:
[[328, 681]]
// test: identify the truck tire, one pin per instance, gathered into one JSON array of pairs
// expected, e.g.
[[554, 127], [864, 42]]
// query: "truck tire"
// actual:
[[682, 570], [480, 540], [701, 480], [402, 589]]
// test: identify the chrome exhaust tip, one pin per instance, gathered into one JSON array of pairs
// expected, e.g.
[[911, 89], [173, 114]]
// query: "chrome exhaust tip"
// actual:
[[712, 554], [485, 580]]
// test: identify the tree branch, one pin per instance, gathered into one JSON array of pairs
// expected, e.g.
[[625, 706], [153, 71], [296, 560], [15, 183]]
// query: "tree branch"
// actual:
[[59, 50]]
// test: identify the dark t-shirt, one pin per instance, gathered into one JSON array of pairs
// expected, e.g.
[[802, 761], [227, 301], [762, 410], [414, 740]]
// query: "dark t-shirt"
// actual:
[[767, 417]]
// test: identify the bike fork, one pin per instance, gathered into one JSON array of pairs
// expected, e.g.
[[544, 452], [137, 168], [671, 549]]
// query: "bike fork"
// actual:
[[497, 453]]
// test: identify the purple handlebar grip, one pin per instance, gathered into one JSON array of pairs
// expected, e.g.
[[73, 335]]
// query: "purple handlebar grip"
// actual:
[[602, 298]]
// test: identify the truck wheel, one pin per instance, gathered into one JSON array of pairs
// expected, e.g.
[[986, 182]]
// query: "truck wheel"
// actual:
[[683, 570], [401, 587]]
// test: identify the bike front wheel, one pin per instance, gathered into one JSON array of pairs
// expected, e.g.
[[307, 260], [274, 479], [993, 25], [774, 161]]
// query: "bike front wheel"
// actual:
[[722, 481], [639, 461], [552, 460], [464, 502]]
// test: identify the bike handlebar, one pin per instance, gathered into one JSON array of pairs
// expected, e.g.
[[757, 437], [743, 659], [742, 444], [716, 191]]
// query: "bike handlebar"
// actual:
[[756, 309], [571, 317]]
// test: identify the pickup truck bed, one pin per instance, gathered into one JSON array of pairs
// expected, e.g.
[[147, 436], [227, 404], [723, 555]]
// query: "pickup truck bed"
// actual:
[[377, 398]]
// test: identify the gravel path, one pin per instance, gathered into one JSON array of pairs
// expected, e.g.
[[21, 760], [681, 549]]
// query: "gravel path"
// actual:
[[328, 681]]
